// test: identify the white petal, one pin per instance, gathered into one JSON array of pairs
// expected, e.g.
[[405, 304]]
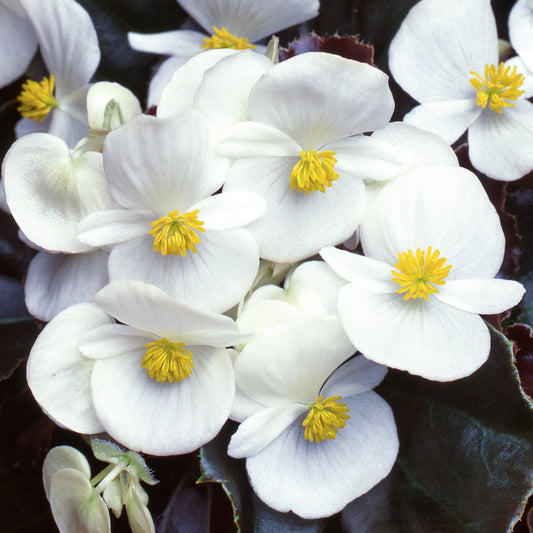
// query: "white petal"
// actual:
[[442, 207], [75, 505], [260, 429], [228, 258], [429, 339], [64, 29], [18, 44], [296, 225], [447, 119], [527, 85], [114, 226], [483, 296], [521, 29], [499, 144], [59, 376], [184, 43], [99, 96], [160, 165], [230, 210], [317, 479], [148, 308], [361, 270], [139, 517], [163, 418], [57, 281], [63, 457], [437, 46], [49, 190], [250, 18], [302, 97]]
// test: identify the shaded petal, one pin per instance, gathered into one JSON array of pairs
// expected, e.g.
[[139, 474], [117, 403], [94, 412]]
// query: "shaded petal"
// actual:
[[521, 29], [250, 18], [185, 43], [521, 68], [163, 418], [429, 339], [499, 145], [228, 258], [483, 296], [437, 46], [302, 97], [317, 479], [447, 119], [57, 281], [101, 94], [57, 371]]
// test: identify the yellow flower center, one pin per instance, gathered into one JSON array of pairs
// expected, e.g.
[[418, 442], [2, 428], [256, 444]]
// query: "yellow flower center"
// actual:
[[324, 417], [175, 233], [223, 39], [499, 87], [419, 274], [167, 361], [37, 99], [314, 172]]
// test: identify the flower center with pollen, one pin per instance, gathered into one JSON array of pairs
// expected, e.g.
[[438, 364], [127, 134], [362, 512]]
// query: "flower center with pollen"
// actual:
[[324, 418], [499, 87], [418, 275], [167, 361], [37, 99], [224, 39], [314, 172], [175, 233]]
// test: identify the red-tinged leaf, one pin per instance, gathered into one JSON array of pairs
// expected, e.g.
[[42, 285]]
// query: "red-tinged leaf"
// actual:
[[522, 337]]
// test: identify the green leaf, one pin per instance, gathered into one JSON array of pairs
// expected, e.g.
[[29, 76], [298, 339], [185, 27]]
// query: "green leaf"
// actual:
[[250, 513], [466, 454]]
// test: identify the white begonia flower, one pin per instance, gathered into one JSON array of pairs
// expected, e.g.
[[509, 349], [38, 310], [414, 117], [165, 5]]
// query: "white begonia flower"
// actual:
[[298, 153], [433, 244], [69, 47], [160, 381], [445, 55], [17, 41], [314, 437], [231, 23], [171, 232]]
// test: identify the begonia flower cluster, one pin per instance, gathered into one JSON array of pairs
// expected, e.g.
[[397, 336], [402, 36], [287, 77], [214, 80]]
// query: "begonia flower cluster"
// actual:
[[265, 244]]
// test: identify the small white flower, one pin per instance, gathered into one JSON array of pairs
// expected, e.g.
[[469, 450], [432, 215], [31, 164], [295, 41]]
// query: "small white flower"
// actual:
[[433, 244], [314, 437], [445, 55], [231, 23]]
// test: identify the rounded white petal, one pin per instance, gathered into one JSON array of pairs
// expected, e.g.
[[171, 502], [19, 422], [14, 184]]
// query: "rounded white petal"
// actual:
[[18, 44], [70, 121], [448, 120], [317, 479], [63, 457], [75, 505], [49, 190], [161, 78], [57, 281], [483, 296], [499, 145], [183, 43], [437, 46], [227, 258], [520, 26], [296, 225], [67, 41], [163, 418], [147, 308], [302, 97], [58, 374], [101, 94], [160, 165], [253, 19], [442, 207], [429, 339]]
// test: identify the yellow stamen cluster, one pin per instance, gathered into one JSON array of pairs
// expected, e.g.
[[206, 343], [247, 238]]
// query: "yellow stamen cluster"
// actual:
[[167, 361], [499, 87], [314, 172], [324, 417], [37, 99], [175, 233], [221, 38], [419, 274]]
